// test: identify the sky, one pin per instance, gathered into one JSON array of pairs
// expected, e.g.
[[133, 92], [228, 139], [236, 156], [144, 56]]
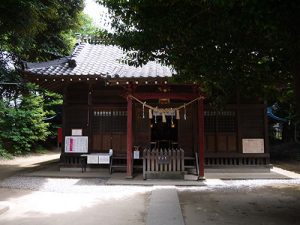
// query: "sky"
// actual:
[[98, 13]]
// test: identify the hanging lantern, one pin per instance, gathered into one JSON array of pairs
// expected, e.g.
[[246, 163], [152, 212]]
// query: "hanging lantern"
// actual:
[[144, 110], [150, 114], [177, 115], [164, 120]]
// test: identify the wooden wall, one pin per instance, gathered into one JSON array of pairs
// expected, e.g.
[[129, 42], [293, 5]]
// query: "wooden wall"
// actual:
[[101, 112]]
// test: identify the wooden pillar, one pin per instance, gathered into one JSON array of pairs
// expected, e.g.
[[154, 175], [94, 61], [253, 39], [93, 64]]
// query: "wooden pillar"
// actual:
[[64, 109], [201, 138], [238, 125], [129, 137], [89, 118], [266, 132]]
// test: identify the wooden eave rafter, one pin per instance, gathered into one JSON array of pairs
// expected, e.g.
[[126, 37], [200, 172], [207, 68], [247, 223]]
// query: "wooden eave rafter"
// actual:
[[56, 82]]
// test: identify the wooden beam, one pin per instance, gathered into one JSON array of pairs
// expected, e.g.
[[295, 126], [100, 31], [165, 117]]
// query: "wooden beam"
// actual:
[[201, 138], [178, 96]]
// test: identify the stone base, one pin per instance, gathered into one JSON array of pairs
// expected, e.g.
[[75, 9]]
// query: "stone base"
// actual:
[[165, 175]]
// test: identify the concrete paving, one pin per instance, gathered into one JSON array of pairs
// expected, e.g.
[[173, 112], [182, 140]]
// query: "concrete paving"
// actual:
[[164, 208], [119, 178]]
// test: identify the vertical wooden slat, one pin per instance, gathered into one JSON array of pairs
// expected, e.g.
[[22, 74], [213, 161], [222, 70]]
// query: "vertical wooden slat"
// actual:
[[152, 161], [148, 160], [182, 159], [129, 137], [144, 164], [177, 161]]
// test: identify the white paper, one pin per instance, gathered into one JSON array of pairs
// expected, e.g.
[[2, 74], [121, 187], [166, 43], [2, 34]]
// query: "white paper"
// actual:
[[76, 144], [92, 159], [136, 154]]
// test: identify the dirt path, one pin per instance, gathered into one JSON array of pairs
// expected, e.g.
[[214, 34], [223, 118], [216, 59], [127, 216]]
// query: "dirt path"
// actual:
[[11, 167]]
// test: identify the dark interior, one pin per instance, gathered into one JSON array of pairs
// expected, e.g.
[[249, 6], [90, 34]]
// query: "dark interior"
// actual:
[[164, 135]]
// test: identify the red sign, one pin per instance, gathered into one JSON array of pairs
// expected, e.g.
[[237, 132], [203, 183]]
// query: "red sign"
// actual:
[[71, 144], [59, 135]]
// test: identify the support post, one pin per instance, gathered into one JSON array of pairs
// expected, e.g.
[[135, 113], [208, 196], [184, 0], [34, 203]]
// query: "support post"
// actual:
[[201, 138], [129, 137]]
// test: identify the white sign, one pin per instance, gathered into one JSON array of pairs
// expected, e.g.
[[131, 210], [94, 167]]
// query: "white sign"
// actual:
[[255, 145], [136, 154], [92, 159], [76, 144], [76, 132], [104, 158]]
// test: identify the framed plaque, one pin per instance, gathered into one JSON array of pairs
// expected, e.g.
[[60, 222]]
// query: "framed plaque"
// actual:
[[254, 145], [76, 132]]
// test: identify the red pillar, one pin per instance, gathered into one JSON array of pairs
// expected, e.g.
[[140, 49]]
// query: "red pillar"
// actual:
[[129, 137], [201, 137]]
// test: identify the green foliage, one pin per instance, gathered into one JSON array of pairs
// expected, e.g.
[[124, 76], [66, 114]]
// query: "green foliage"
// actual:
[[32, 31], [86, 25], [23, 125], [35, 30], [245, 46]]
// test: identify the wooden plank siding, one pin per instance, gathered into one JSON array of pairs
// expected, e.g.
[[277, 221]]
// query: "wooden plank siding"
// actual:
[[186, 135], [220, 130], [141, 127]]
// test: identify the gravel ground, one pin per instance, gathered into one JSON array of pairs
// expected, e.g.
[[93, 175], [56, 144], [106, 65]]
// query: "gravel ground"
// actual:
[[276, 204], [47, 201], [88, 185]]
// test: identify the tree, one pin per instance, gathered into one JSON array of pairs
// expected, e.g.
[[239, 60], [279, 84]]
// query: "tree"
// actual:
[[32, 31], [23, 125], [251, 46]]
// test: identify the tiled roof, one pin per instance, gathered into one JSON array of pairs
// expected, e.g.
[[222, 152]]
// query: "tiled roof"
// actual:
[[98, 60]]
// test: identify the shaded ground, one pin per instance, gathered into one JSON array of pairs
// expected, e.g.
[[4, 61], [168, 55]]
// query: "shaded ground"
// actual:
[[287, 164], [286, 156], [276, 204]]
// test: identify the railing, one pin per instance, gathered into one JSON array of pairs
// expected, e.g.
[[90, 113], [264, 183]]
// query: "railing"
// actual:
[[237, 160], [70, 160], [163, 163]]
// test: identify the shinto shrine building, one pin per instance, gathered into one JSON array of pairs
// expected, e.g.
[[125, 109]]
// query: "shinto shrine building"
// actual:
[[127, 108]]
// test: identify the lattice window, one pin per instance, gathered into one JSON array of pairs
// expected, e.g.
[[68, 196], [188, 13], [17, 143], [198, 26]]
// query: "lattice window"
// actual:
[[109, 120], [224, 121], [210, 121]]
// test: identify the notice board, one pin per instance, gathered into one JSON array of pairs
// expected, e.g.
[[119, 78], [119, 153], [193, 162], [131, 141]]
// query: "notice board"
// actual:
[[76, 144]]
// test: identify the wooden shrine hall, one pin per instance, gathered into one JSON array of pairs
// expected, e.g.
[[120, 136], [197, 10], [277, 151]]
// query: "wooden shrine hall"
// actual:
[[108, 104]]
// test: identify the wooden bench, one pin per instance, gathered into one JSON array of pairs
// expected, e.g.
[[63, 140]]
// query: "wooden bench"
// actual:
[[191, 163], [118, 161]]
